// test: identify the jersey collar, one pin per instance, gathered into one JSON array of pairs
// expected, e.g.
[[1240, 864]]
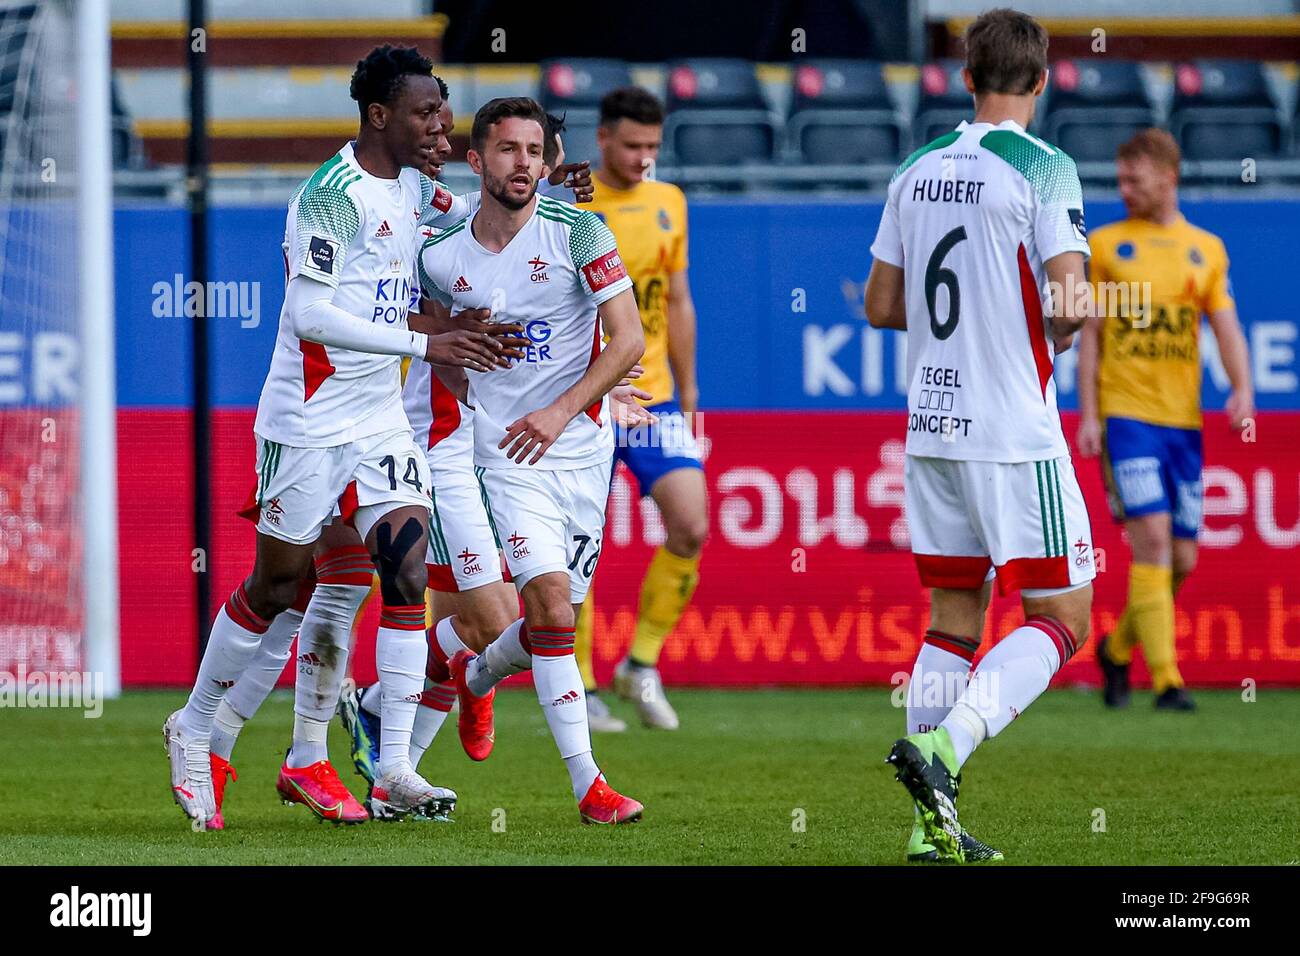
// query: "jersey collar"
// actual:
[[536, 201]]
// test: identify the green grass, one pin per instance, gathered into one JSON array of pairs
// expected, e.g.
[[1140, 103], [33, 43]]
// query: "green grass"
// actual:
[[1217, 787]]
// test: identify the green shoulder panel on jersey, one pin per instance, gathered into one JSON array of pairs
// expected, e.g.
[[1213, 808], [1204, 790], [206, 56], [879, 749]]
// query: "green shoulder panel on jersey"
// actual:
[[1049, 170], [945, 140], [428, 188], [553, 209], [324, 205], [589, 238]]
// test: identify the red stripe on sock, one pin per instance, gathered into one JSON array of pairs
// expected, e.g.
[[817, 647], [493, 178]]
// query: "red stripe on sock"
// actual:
[[358, 578], [552, 641], [963, 647], [238, 610], [440, 697], [1061, 635], [436, 669], [403, 617]]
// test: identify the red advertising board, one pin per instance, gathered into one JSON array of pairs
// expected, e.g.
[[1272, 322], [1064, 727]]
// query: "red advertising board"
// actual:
[[806, 578]]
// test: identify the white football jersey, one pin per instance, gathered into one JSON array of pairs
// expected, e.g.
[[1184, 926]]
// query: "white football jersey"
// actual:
[[358, 234], [971, 218], [551, 278], [442, 425]]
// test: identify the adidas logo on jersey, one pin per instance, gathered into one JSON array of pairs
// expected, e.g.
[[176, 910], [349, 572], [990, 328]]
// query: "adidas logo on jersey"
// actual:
[[462, 285], [384, 231]]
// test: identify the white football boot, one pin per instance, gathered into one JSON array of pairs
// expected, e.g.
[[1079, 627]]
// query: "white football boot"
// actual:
[[191, 772], [645, 688], [599, 718], [396, 795]]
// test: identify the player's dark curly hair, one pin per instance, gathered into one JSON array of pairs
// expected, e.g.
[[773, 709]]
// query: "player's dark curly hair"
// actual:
[[379, 77], [631, 102], [551, 131]]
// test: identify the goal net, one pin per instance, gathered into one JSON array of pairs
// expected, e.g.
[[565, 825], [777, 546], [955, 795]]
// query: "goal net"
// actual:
[[42, 532]]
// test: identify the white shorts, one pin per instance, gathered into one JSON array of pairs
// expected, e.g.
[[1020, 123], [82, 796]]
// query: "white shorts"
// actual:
[[299, 490], [549, 521], [463, 549], [1027, 520]]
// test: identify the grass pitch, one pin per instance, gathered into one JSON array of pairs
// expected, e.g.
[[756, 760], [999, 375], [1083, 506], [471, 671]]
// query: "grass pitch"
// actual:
[[753, 777]]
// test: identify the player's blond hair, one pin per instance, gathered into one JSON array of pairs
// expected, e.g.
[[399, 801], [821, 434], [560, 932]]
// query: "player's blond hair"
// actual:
[[1155, 144]]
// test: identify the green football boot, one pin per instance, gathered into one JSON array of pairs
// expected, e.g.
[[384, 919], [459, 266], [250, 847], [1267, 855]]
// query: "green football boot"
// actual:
[[921, 764], [974, 850]]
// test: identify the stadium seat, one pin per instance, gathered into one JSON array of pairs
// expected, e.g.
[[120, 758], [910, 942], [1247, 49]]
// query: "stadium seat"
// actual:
[[717, 115], [1094, 106], [1223, 109], [944, 101], [841, 113], [574, 88]]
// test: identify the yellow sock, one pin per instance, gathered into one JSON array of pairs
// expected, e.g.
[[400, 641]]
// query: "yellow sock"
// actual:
[[1122, 640], [1151, 606], [583, 640], [669, 583]]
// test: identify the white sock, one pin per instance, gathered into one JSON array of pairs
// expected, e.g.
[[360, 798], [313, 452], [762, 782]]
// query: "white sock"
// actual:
[[226, 725], [371, 700], [1008, 680], [503, 658], [233, 641], [435, 704], [309, 742], [938, 678], [401, 652], [448, 639], [263, 673], [322, 664], [560, 692]]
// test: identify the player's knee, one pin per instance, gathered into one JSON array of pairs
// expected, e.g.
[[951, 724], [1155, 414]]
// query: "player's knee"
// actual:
[[269, 594], [1184, 563], [485, 620], [686, 536], [403, 583]]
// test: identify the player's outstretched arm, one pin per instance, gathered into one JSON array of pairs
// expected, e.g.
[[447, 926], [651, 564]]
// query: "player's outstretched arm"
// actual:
[[575, 176], [886, 307], [536, 432], [1235, 356], [314, 318], [434, 318]]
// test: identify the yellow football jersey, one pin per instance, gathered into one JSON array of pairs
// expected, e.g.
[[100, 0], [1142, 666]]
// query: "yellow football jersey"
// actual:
[[1150, 362], [649, 224]]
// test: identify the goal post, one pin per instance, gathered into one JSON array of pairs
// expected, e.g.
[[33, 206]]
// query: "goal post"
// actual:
[[98, 399]]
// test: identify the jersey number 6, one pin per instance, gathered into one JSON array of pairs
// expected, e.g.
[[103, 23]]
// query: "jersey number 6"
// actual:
[[935, 276]]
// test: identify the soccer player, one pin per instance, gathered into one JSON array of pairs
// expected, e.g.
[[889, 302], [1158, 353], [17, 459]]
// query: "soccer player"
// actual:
[[1140, 399], [648, 219], [976, 225], [331, 430], [470, 600], [542, 432]]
